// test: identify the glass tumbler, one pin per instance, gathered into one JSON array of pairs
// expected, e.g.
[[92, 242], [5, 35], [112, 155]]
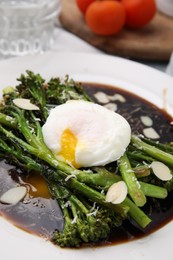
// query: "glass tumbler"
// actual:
[[27, 26], [165, 6]]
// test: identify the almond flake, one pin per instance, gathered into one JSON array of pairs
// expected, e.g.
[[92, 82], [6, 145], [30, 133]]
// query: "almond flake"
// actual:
[[25, 104], [117, 97], [117, 193], [151, 133], [101, 97], [14, 195], [146, 120], [111, 106], [161, 171]]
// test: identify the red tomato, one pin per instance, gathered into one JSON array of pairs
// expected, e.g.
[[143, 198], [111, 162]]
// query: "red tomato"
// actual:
[[139, 12], [83, 4], [105, 17]]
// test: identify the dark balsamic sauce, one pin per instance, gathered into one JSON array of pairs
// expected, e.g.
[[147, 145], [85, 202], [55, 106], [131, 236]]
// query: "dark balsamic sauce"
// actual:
[[134, 108], [39, 214]]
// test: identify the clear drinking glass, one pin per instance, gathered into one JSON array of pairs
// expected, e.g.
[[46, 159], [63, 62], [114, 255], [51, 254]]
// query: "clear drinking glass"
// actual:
[[165, 6], [27, 26]]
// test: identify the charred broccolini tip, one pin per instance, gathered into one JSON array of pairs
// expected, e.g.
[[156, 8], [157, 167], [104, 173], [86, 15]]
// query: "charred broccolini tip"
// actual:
[[83, 223], [59, 91], [44, 95], [31, 86]]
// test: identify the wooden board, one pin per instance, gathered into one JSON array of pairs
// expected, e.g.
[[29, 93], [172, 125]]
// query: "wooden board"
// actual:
[[154, 42]]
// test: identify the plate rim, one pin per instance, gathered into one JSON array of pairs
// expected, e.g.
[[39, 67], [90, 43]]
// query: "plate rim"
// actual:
[[52, 59]]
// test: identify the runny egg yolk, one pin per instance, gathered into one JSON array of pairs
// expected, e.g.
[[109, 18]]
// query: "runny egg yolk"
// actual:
[[84, 134], [68, 147]]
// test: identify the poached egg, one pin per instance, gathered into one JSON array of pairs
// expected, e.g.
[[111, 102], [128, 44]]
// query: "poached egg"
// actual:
[[85, 134]]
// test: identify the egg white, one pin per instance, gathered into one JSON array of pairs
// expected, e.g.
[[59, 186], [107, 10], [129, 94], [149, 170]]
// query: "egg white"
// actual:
[[102, 135]]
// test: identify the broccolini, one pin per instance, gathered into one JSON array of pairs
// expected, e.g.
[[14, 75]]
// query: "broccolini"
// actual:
[[77, 190]]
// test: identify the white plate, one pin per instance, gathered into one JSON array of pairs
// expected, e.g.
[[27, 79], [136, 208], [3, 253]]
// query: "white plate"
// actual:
[[148, 83]]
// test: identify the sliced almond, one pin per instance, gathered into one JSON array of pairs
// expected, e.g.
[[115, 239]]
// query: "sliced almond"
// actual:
[[146, 120], [117, 193], [111, 106], [117, 97], [151, 133], [101, 97], [161, 171], [14, 195], [25, 104]]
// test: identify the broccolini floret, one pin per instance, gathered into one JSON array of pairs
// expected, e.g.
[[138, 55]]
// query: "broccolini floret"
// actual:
[[58, 91], [83, 223]]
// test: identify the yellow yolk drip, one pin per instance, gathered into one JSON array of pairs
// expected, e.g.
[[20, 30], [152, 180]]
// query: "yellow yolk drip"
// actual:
[[68, 147], [38, 186]]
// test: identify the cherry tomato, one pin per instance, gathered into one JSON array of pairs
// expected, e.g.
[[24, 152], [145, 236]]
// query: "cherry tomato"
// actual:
[[83, 4], [105, 17], [139, 12]]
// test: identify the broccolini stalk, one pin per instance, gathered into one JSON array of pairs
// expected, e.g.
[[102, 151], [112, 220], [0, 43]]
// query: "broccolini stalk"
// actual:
[[98, 197], [102, 177], [8, 120], [131, 181], [152, 151], [139, 156], [164, 147], [32, 133], [137, 214], [16, 155], [105, 179], [154, 191]]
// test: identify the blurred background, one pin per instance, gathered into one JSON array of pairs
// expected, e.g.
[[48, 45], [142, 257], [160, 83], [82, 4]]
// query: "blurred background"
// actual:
[[37, 26]]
